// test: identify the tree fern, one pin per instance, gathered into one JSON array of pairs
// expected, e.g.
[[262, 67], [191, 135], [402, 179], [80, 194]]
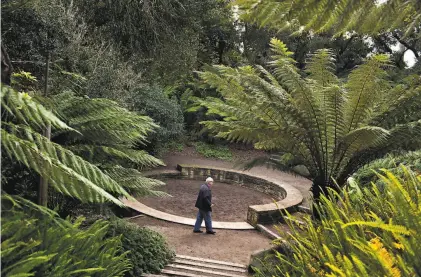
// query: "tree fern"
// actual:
[[363, 16], [68, 173], [331, 127], [108, 136]]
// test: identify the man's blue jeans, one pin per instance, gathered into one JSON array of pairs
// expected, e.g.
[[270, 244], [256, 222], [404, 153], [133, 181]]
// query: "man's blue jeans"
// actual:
[[207, 216]]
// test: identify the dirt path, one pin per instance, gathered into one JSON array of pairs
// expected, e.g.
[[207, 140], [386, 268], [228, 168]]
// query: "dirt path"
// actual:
[[226, 245]]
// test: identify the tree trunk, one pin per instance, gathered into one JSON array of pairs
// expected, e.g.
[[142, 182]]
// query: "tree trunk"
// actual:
[[6, 67], [321, 188], [43, 183], [318, 188]]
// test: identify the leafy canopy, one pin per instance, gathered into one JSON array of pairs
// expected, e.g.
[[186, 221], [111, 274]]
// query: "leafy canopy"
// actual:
[[330, 126], [363, 16]]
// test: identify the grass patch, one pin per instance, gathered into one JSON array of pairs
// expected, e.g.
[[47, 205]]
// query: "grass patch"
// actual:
[[221, 152], [175, 146]]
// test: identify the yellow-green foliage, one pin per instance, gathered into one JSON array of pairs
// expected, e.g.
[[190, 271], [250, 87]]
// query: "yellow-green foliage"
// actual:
[[376, 234], [36, 242]]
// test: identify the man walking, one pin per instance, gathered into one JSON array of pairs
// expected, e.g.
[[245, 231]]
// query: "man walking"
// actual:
[[204, 204]]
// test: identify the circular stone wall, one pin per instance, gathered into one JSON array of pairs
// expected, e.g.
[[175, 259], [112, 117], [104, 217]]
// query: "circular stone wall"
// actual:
[[256, 214], [231, 202]]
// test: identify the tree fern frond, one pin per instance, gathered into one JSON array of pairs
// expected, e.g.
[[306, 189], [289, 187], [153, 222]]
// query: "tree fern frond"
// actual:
[[403, 105], [363, 16], [362, 82], [135, 182], [68, 173], [321, 67], [99, 154], [365, 137], [102, 120], [25, 110]]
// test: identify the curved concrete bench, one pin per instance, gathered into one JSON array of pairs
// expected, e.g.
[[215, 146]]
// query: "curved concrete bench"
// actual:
[[289, 196], [136, 205]]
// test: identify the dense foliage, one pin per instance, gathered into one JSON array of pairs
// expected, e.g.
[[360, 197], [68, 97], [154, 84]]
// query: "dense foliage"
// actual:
[[330, 126], [148, 250], [49, 245], [22, 123], [36, 242], [213, 151], [365, 16], [164, 110], [108, 136], [375, 234], [392, 162]]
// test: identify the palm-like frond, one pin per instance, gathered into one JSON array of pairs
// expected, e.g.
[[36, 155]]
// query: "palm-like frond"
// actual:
[[363, 81], [67, 173], [102, 120], [363, 16], [20, 107], [109, 136], [329, 126], [134, 181], [99, 154]]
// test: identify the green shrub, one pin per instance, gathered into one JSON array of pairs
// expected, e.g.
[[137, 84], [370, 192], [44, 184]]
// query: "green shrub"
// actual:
[[166, 112], [366, 174], [36, 242], [213, 151], [376, 234], [149, 252]]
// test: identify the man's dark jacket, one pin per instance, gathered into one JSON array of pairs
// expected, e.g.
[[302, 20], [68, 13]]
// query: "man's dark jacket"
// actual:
[[204, 199]]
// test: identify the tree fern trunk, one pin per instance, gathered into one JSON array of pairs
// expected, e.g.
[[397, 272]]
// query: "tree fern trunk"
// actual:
[[43, 183]]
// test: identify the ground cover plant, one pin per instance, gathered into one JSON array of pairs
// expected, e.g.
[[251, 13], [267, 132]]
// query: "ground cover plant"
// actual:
[[217, 151], [35, 241]]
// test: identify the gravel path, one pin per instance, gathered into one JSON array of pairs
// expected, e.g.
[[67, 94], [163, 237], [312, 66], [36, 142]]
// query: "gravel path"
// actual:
[[226, 245]]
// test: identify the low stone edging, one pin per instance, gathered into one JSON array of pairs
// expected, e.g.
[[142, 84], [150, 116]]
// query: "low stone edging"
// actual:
[[289, 196], [259, 258]]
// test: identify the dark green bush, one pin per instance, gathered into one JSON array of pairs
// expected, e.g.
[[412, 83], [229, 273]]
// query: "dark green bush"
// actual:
[[149, 252], [165, 111]]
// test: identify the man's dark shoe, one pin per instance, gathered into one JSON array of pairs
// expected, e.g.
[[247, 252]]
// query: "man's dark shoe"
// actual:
[[211, 232], [197, 231]]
